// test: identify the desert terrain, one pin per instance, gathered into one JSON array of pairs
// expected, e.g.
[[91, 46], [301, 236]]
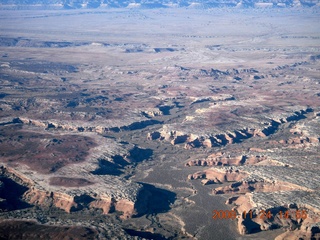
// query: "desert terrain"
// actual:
[[136, 123]]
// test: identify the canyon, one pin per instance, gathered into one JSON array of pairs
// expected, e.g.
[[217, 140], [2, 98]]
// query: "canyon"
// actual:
[[134, 123]]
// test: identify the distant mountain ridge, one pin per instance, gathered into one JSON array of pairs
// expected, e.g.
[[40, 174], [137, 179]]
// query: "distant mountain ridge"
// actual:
[[89, 4]]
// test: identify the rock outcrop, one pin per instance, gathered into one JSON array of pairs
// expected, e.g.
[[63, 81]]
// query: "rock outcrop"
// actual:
[[191, 139], [85, 127], [220, 159], [219, 175], [255, 184], [299, 219], [69, 203], [77, 199], [82, 189]]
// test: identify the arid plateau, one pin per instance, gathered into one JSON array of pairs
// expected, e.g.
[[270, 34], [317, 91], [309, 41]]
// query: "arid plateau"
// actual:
[[135, 123]]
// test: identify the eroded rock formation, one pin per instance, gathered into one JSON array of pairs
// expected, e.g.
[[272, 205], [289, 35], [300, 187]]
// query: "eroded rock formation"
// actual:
[[220, 159], [188, 135], [74, 198], [301, 220]]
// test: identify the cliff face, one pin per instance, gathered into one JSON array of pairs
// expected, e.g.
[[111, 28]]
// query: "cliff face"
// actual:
[[261, 198], [301, 221], [271, 179], [70, 203], [186, 133], [85, 127], [50, 199], [220, 159], [219, 175], [194, 141], [70, 171], [245, 180], [74, 199]]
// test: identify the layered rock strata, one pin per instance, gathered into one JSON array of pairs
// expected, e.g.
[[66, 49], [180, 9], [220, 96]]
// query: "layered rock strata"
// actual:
[[68, 171], [295, 211], [80, 126], [109, 194], [269, 188], [221, 159], [207, 139]]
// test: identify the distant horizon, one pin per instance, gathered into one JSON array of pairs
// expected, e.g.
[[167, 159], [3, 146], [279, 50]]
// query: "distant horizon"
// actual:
[[200, 4]]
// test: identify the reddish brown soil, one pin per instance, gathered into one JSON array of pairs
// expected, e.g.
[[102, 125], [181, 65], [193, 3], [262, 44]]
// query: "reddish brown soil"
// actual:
[[45, 153], [69, 182]]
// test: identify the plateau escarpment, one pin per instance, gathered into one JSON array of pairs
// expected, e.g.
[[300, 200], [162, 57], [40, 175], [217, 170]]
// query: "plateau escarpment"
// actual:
[[61, 170], [78, 193], [300, 219], [220, 159], [271, 181], [208, 135]]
